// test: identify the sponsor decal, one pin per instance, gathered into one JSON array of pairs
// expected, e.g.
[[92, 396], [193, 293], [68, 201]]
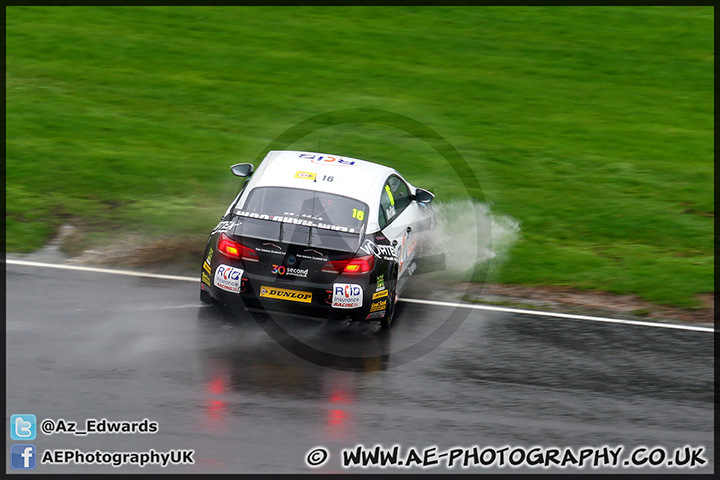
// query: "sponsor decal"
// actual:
[[288, 218], [223, 226], [380, 294], [390, 196], [285, 294], [294, 272], [228, 278], [308, 175], [207, 268], [411, 269], [270, 248], [206, 279], [304, 215], [379, 314], [327, 159], [378, 306], [380, 283], [347, 295], [386, 252], [208, 259], [359, 214], [311, 254]]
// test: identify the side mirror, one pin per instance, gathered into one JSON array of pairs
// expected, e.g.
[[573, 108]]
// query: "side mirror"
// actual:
[[423, 196], [242, 169]]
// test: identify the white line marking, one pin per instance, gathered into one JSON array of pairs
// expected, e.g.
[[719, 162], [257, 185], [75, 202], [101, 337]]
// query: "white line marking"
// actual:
[[559, 315], [101, 270], [408, 300]]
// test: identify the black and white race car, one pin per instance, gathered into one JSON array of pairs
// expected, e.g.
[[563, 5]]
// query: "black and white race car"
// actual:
[[321, 235]]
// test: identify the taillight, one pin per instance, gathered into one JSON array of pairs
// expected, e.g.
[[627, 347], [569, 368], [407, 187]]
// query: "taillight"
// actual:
[[229, 247], [353, 266]]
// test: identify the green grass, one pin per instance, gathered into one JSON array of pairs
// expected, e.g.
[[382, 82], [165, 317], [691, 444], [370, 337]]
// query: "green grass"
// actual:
[[592, 126]]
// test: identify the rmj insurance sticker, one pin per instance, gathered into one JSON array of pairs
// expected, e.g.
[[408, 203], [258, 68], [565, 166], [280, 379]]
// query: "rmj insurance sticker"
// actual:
[[347, 295], [228, 278]]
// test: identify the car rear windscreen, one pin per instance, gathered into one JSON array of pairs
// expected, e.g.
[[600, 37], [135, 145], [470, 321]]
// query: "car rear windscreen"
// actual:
[[304, 217]]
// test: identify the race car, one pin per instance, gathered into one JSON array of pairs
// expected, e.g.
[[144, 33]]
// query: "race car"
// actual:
[[320, 235]]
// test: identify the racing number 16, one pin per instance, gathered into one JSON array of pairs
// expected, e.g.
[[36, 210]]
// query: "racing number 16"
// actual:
[[359, 214]]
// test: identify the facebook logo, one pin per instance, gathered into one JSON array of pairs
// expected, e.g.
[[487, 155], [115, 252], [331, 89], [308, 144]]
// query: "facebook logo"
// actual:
[[22, 457], [23, 427]]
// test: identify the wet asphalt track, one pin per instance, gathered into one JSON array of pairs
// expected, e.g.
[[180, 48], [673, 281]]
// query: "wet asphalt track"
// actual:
[[85, 345]]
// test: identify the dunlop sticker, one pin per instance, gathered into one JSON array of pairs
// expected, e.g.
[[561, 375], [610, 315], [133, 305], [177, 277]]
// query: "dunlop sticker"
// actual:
[[284, 294], [380, 294]]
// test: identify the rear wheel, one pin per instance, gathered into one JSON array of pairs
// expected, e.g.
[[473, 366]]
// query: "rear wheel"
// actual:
[[205, 297], [387, 320]]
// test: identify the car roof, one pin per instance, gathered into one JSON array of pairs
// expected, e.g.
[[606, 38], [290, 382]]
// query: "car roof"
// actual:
[[351, 177], [323, 172]]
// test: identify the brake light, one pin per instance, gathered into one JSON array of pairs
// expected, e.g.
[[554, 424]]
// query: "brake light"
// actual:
[[228, 247], [353, 266], [233, 249], [334, 266]]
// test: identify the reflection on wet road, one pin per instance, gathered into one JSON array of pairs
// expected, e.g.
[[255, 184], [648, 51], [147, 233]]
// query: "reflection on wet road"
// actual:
[[86, 345]]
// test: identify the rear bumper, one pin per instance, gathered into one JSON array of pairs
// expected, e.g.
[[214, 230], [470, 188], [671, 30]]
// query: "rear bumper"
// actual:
[[301, 299]]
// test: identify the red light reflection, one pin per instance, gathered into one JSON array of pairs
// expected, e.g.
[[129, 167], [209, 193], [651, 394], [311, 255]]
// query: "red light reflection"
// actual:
[[339, 418], [214, 413]]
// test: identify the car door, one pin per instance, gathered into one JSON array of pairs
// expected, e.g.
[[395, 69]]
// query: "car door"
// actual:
[[398, 214]]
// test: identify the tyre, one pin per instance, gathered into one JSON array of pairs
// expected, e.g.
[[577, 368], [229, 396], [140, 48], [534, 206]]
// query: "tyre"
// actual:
[[387, 320], [205, 297]]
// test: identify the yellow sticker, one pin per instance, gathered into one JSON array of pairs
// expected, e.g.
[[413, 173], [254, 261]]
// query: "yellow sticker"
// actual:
[[206, 279], [387, 189], [284, 294], [359, 214], [378, 306], [306, 175], [382, 294], [207, 267]]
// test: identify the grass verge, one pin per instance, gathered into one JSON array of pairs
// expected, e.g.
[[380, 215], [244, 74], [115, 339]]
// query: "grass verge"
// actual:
[[592, 126]]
